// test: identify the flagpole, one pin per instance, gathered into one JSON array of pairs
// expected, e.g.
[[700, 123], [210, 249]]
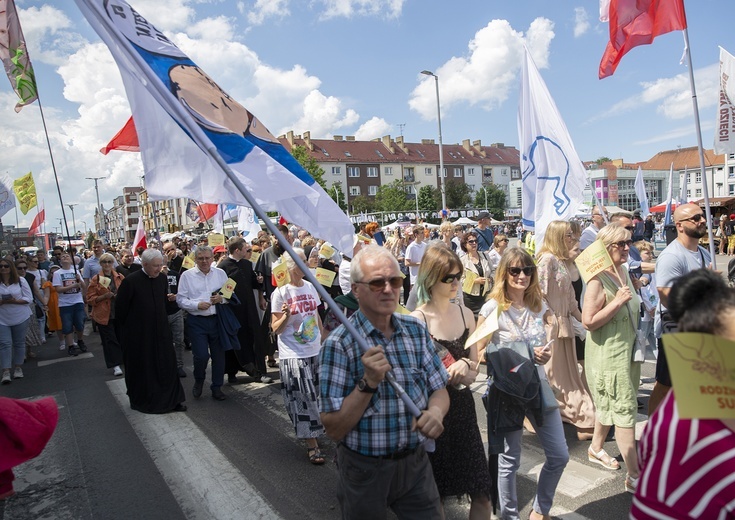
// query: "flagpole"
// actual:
[[707, 211]]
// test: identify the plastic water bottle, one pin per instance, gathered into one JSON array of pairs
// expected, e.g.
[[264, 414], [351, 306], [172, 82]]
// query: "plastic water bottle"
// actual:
[[537, 334]]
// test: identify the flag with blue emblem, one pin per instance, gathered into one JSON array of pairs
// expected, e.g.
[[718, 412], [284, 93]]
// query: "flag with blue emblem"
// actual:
[[187, 125]]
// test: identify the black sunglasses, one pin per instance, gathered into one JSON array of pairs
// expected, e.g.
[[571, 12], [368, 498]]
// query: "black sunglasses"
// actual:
[[19, 268], [4, 266], [622, 244], [472, 241], [694, 218], [527, 270], [378, 285], [630, 228], [451, 278]]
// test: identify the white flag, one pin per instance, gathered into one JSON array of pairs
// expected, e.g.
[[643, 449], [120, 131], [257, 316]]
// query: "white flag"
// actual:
[[683, 199], [553, 176], [7, 196], [218, 221], [725, 125], [188, 127], [668, 215], [247, 223], [640, 192]]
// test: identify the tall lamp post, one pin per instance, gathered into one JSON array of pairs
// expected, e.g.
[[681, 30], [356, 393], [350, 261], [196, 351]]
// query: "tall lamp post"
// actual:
[[441, 155], [99, 208], [73, 220]]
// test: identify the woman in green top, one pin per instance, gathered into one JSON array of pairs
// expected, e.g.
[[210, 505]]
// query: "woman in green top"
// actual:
[[610, 315]]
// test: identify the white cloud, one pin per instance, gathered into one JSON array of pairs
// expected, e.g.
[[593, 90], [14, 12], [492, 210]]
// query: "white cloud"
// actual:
[[373, 128], [581, 21], [486, 76], [47, 34], [264, 9], [215, 29], [322, 114], [350, 8]]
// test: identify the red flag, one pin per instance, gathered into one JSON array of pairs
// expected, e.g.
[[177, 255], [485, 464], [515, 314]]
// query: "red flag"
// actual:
[[139, 240], [638, 22], [282, 221], [37, 221], [126, 139], [206, 211]]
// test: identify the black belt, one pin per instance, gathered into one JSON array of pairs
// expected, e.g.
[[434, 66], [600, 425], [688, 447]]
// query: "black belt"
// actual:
[[207, 316], [396, 455]]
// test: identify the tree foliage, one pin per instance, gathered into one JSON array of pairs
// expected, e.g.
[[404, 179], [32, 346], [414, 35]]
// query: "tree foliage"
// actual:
[[392, 197], [336, 192], [603, 159], [495, 200], [430, 198], [302, 155], [458, 194], [362, 203]]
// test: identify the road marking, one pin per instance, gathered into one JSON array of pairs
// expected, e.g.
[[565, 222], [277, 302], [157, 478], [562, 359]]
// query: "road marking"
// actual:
[[86, 355], [199, 475]]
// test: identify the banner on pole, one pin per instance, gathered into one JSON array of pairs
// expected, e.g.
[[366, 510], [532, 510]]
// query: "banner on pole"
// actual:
[[7, 199], [14, 55], [25, 190], [725, 125]]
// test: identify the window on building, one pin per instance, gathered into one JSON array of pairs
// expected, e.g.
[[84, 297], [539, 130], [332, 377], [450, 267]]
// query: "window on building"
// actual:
[[487, 175], [504, 172], [354, 191], [698, 178], [428, 171], [372, 171], [353, 171], [372, 190], [472, 187], [470, 171], [336, 170], [445, 173], [458, 172], [408, 175], [731, 189], [731, 172], [698, 192], [689, 194], [388, 170], [348, 154]]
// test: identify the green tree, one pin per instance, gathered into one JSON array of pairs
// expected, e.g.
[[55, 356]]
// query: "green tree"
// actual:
[[336, 192], [495, 198], [362, 203], [458, 194], [603, 159], [302, 155], [392, 197], [430, 198]]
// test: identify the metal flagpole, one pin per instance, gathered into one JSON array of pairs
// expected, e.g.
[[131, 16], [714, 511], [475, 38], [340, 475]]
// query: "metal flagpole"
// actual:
[[707, 211]]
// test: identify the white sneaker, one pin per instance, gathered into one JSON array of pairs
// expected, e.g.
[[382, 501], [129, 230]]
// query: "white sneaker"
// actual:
[[6, 377], [117, 371], [62, 345], [266, 379], [18, 373]]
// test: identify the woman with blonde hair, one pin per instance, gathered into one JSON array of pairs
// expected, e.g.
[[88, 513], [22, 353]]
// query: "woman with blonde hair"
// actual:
[[575, 402], [500, 244], [101, 292], [610, 315], [522, 317], [458, 463]]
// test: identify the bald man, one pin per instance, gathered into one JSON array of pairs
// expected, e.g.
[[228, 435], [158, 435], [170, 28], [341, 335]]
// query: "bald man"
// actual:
[[680, 257]]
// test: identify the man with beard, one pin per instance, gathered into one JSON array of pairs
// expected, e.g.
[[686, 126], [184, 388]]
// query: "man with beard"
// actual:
[[250, 358], [680, 257], [145, 336], [264, 268]]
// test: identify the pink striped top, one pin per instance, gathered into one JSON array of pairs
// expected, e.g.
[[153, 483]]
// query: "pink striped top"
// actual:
[[687, 468]]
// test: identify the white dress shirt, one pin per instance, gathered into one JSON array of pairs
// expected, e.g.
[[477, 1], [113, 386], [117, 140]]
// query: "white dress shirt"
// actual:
[[195, 287]]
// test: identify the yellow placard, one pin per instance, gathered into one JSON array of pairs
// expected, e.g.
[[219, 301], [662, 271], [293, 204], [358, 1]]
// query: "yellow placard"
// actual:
[[702, 370], [281, 274], [325, 276], [227, 288], [326, 250], [254, 257], [104, 281], [402, 310], [488, 326], [188, 262], [215, 239], [469, 281], [593, 260]]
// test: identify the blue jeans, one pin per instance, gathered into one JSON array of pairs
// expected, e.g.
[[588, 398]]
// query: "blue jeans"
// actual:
[[204, 337], [13, 344], [551, 435]]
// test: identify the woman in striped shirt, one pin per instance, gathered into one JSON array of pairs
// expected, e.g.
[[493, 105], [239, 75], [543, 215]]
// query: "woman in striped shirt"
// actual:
[[688, 465]]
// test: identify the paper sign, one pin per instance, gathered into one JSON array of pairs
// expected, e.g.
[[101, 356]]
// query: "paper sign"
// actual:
[[227, 288], [104, 281], [593, 260], [326, 250], [702, 370], [325, 276], [488, 326], [281, 274], [469, 281], [254, 257], [402, 310], [188, 262], [215, 239]]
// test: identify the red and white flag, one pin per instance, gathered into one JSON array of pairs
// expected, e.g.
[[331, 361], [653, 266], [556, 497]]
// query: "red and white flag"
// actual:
[[637, 22], [39, 219], [139, 240], [125, 140]]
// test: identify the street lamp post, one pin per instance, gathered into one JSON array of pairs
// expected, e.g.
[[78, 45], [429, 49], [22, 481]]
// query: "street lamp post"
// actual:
[[73, 220], [85, 228], [99, 208], [441, 155]]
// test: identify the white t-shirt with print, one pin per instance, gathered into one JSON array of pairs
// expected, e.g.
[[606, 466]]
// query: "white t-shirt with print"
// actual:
[[63, 278], [301, 337]]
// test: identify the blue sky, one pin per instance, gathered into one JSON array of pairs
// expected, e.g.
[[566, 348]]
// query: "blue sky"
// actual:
[[352, 67]]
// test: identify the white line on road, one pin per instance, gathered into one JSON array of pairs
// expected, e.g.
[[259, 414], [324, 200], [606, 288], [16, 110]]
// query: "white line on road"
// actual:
[[200, 477], [86, 355]]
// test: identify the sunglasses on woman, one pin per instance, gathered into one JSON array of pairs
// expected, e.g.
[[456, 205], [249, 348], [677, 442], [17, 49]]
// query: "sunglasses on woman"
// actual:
[[378, 285], [516, 271], [622, 244], [472, 241], [451, 278]]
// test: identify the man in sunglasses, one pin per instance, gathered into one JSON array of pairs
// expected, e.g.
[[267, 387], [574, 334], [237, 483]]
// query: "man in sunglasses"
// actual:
[[377, 436], [589, 234], [680, 257]]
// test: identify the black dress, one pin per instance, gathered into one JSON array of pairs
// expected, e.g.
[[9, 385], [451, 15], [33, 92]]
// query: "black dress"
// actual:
[[578, 343], [459, 462]]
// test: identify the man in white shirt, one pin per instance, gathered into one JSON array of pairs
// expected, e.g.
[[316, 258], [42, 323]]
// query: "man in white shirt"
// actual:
[[589, 234], [415, 252], [198, 294]]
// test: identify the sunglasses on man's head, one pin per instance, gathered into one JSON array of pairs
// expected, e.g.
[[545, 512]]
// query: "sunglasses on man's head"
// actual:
[[378, 285], [451, 278], [516, 271]]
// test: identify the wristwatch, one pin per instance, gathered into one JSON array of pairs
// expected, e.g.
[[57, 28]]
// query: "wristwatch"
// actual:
[[363, 386]]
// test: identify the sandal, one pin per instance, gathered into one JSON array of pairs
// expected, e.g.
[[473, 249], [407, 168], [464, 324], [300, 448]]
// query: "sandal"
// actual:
[[602, 458], [272, 363], [315, 456], [630, 483]]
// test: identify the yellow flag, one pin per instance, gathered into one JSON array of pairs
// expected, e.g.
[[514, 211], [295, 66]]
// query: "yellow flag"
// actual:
[[25, 190], [593, 260]]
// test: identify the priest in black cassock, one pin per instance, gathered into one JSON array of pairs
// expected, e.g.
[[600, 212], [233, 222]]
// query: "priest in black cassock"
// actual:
[[150, 360]]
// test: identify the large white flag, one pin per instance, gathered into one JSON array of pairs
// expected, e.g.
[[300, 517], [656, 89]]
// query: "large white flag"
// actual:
[[725, 133], [247, 223], [186, 123], [640, 192], [669, 214], [7, 196], [553, 176]]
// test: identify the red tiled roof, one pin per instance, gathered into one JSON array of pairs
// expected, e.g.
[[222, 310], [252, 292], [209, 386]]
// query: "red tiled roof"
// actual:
[[682, 158]]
